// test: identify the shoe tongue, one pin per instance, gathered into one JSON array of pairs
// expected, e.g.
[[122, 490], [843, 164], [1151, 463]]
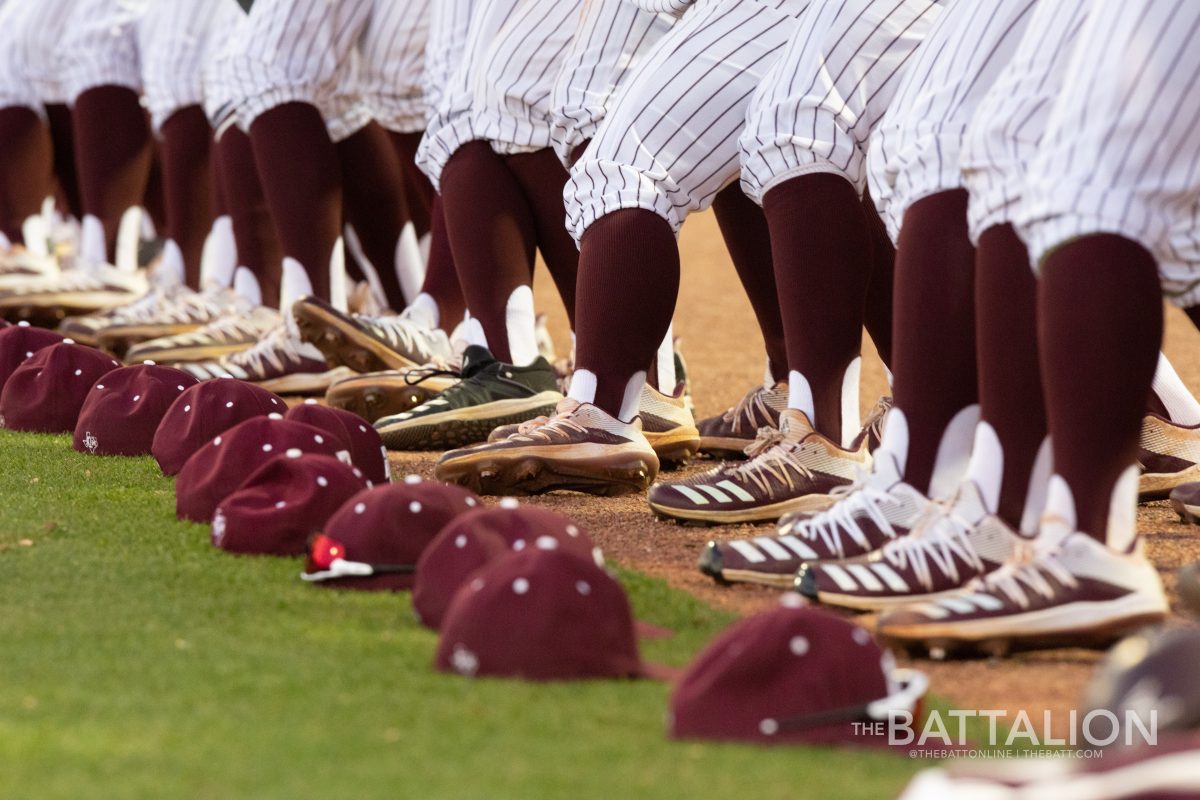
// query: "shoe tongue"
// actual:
[[794, 425], [475, 358]]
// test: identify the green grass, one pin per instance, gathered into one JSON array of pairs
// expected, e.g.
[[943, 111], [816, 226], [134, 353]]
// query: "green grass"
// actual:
[[137, 661]]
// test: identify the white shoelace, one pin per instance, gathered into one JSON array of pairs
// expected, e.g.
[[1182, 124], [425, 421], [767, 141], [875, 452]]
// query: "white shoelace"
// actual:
[[771, 455], [754, 408], [277, 349], [1027, 571], [829, 526], [935, 544]]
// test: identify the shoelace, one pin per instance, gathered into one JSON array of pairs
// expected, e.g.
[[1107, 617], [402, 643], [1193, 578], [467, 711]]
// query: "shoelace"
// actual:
[[754, 408], [399, 332], [277, 349], [828, 526], [771, 455], [935, 543], [433, 369], [559, 425], [1028, 570]]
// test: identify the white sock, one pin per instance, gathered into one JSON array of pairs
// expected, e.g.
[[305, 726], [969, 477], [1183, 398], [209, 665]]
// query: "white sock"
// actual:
[[851, 421], [245, 284], [93, 247], [170, 270], [424, 311], [986, 466], [631, 401], [294, 285], [132, 229], [338, 291], [36, 233], [218, 260], [800, 395], [665, 363], [1039, 484], [1182, 406], [354, 245], [521, 324], [954, 451], [410, 262], [583, 386]]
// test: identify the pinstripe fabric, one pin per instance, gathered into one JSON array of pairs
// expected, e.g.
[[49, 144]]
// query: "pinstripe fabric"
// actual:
[[220, 90], [30, 52], [817, 108], [352, 59], [1008, 126], [1120, 154], [920, 139], [176, 40], [101, 47], [612, 38], [676, 7], [502, 93], [670, 142], [449, 28]]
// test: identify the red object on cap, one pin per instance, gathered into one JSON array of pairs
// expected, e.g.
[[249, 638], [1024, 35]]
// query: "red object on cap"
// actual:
[[47, 391], [219, 467], [360, 437], [285, 501], [540, 615], [471, 541], [205, 411], [122, 411], [20, 342], [389, 527], [793, 674]]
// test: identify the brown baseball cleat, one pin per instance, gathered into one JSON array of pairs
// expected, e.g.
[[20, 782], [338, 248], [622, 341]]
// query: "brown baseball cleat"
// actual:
[[728, 434], [231, 333], [369, 343], [579, 448], [1169, 455], [279, 363], [376, 395]]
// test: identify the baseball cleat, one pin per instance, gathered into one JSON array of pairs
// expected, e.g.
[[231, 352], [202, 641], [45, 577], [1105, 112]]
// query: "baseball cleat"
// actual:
[[369, 343], [489, 395], [383, 394], [876, 509], [948, 548], [1065, 589], [790, 468], [279, 363], [667, 423], [73, 291], [579, 448], [179, 310], [231, 333], [728, 434], [1169, 455]]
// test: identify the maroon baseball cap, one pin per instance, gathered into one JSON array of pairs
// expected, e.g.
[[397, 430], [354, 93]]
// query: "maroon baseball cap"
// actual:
[[122, 411], [219, 467], [794, 674], [20, 342], [475, 539], [47, 391], [374, 541], [540, 614], [205, 411], [277, 509], [360, 437]]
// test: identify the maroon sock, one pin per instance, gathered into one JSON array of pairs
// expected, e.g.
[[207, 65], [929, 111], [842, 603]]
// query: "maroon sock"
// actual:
[[188, 185], [1010, 380], [154, 198], [62, 133], [748, 239], [417, 187], [113, 152], [302, 183], [878, 317], [934, 342], [822, 268], [492, 235], [441, 279], [542, 177], [1099, 326], [375, 205], [258, 248], [627, 288], [26, 168]]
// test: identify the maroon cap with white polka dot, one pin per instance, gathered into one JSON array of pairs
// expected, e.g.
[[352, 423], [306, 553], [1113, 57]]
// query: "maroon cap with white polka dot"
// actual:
[[360, 437], [20, 342], [470, 542], [122, 411], [47, 391], [388, 528], [205, 411], [219, 467], [794, 674], [540, 614], [277, 509]]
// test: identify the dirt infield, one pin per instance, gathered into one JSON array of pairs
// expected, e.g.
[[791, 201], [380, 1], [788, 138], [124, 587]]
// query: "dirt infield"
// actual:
[[724, 353]]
